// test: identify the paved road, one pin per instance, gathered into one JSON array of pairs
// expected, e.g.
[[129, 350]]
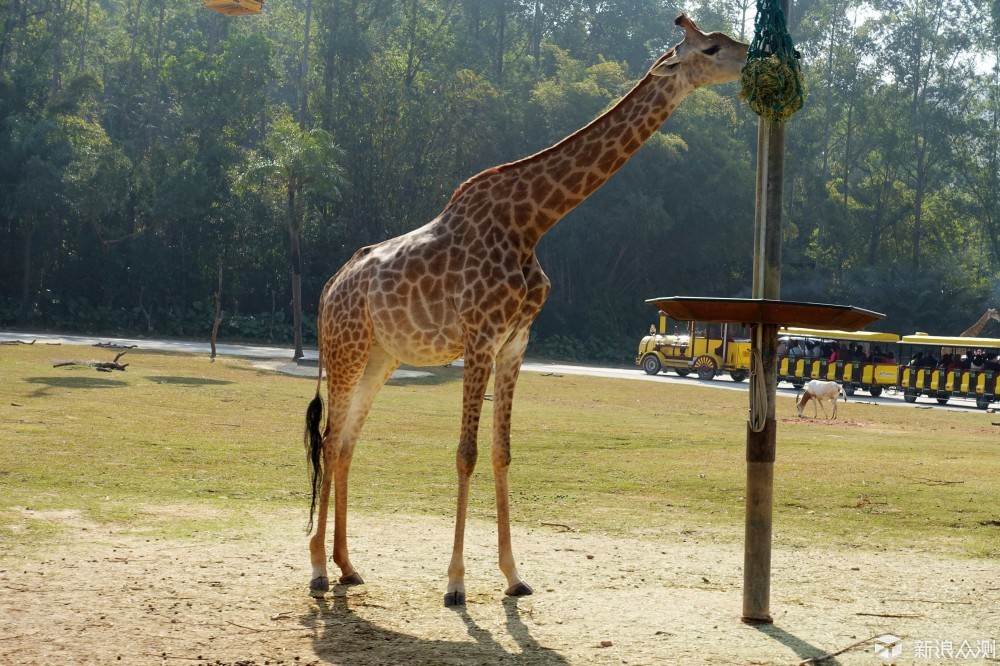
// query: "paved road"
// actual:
[[275, 353], [285, 353]]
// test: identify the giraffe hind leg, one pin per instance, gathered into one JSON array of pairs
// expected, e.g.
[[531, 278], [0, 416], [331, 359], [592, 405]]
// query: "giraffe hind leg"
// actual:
[[314, 449], [342, 378], [377, 371]]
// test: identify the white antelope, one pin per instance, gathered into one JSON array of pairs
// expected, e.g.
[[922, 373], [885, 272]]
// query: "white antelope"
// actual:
[[818, 391]]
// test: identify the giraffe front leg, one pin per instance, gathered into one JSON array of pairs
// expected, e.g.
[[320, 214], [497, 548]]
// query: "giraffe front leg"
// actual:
[[475, 378], [516, 587], [508, 369], [465, 462]]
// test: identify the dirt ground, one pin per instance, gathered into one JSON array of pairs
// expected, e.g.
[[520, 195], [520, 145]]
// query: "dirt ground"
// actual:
[[114, 598]]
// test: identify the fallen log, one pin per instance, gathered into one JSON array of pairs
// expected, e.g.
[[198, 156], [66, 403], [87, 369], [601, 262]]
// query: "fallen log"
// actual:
[[100, 366], [114, 345]]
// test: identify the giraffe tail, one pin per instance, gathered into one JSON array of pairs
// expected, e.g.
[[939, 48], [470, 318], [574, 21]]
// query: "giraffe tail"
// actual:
[[314, 445]]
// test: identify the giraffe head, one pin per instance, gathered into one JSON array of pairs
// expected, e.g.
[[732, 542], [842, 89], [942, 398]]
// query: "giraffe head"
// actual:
[[993, 314], [702, 58]]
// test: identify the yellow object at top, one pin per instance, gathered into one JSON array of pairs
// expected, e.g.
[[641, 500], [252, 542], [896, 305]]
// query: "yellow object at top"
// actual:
[[235, 7]]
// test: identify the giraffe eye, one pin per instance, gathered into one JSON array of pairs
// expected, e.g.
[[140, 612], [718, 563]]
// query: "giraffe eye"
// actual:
[[711, 50]]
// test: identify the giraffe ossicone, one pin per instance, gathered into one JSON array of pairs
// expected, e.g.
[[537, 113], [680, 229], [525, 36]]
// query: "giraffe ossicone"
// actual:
[[467, 284]]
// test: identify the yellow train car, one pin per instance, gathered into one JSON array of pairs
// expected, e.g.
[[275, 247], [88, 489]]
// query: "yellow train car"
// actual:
[[864, 360], [705, 349], [947, 367]]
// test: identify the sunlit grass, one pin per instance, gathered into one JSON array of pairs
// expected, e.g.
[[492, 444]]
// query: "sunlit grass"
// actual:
[[224, 441]]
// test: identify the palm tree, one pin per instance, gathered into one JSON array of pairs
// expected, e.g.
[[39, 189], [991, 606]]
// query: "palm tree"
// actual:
[[303, 166]]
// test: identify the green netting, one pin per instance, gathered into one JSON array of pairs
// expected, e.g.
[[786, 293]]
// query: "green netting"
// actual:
[[771, 81]]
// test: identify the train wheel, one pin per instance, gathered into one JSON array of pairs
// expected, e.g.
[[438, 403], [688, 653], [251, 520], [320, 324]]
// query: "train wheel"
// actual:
[[982, 402], [705, 367], [849, 389], [683, 372], [910, 395], [738, 375], [651, 364], [942, 401], [876, 391]]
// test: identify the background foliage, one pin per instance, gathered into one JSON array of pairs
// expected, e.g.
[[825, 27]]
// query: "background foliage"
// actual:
[[128, 129]]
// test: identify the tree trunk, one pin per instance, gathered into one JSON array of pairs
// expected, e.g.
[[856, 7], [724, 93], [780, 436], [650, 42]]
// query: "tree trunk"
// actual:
[[848, 135], [993, 151], [158, 49], [84, 32], [8, 28], [296, 257], [411, 48], [218, 311], [501, 40], [304, 71], [133, 45], [55, 85], [918, 201], [536, 34], [22, 318], [827, 120]]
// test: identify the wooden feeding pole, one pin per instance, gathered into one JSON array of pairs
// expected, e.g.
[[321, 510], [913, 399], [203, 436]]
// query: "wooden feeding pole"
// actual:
[[761, 445], [761, 432]]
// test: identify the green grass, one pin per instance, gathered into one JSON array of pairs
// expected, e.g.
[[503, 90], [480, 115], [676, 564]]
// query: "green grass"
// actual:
[[224, 440]]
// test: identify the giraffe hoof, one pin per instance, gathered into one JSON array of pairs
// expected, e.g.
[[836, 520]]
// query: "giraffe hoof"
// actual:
[[351, 579], [319, 586], [521, 589], [454, 599]]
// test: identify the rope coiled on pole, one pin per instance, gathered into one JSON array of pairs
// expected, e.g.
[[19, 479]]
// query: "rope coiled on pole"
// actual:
[[758, 392]]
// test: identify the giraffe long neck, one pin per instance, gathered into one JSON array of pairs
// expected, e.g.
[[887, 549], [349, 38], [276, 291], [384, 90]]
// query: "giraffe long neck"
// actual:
[[542, 188], [974, 330]]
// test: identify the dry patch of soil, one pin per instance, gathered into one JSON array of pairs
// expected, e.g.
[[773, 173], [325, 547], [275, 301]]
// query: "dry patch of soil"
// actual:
[[107, 597]]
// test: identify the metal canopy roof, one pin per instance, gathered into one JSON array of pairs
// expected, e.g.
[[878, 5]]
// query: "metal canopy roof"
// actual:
[[764, 311]]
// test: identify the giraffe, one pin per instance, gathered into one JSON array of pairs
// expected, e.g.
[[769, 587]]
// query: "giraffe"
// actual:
[[468, 284], [976, 328]]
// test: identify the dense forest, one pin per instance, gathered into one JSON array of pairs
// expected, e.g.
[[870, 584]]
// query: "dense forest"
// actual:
[[159, 160]]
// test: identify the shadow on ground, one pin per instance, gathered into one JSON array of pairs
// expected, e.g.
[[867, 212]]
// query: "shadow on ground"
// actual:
[[188, 381], [49, 383], [794, 643], [342, 637]]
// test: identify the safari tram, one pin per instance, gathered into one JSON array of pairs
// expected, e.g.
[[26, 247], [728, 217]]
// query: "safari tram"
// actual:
[[913, 366], [704, 349], [931, 366], [863, 360]]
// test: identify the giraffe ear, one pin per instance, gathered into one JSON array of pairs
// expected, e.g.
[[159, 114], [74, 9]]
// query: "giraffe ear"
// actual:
[[666, 68]]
